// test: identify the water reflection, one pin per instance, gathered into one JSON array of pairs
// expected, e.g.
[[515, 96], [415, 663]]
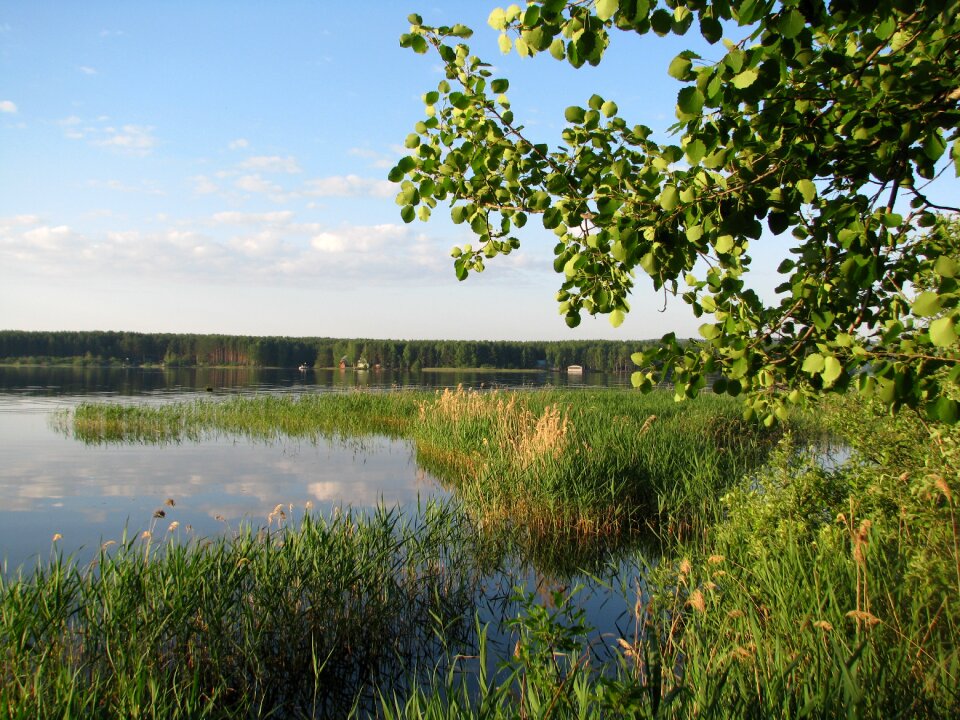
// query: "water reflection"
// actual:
[[62, 383], [52, 484]]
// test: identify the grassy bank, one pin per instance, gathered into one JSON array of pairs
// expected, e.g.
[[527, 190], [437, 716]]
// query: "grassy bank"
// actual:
[[819, 592], [782, 586]]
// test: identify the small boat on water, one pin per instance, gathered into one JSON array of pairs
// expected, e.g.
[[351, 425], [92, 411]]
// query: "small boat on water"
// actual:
[[575, 369], [362, 364], [303, 367]]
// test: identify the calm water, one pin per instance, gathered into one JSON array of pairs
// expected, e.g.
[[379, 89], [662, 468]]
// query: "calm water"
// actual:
[[52, 484]]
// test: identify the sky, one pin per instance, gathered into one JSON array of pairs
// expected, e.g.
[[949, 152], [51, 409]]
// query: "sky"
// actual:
[[220, 167]]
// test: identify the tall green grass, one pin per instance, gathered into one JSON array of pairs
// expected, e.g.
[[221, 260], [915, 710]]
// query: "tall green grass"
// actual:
[[597, 466], [781, 587], [819, 592], [296, 621]]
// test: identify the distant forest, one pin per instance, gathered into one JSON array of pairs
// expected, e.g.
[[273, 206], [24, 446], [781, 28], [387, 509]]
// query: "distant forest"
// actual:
[[130, 348]]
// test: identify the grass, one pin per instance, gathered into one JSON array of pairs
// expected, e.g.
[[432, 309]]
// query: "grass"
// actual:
[[817, 593], [598, 465], [778, 587], [295, 620]]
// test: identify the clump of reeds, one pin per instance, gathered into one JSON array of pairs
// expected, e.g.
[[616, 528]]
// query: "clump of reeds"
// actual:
[[550, 463], [300, 620]]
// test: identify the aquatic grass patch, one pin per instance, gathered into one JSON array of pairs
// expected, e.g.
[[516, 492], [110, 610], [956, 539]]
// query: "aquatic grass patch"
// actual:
[[261, 417], [588, 464], [303, 619], [547, 463], [819, 592]]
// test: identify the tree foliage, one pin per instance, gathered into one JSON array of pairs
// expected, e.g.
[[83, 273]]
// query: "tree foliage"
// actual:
[[819, 130]]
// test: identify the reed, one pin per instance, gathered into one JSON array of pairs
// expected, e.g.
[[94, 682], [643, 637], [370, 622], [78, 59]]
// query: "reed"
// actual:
[[819, 592], [778, 586], [290, 619], [577, 464]]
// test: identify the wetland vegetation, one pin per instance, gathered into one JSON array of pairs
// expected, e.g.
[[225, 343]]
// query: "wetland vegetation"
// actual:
[[773, 584]]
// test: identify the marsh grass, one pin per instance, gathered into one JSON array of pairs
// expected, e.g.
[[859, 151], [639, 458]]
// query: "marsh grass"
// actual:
[[551, 465], [296, 620], [587, 465], [819, 591], [777, 586]]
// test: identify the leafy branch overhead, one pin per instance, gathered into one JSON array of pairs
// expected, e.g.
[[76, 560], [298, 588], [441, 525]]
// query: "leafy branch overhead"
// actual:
[[820, 131]]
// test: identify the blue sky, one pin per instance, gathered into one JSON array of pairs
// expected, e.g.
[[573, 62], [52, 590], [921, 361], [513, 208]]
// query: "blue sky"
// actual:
[[213, 166]]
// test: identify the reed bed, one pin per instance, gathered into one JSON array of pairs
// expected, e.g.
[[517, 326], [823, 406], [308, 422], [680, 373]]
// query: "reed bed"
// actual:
[[778, 586], [587, 465], [548, 464], [289, 621], [818, 592]]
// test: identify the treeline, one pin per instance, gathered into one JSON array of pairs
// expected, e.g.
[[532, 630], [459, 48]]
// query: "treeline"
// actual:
[[132, 348]]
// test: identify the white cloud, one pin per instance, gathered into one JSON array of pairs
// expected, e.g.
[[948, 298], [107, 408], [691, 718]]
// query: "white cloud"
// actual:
[[128, 139], [131, 139], [228, 247], [7, 223], [272, 163], [377, 160], [243, 218], [256, 184], [239, 143], [349, 186], [202, 185], [144, 187], [358, 238], [8, 106], [87, 70]]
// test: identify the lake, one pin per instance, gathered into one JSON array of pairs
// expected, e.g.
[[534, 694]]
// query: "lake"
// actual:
[[52, 484]]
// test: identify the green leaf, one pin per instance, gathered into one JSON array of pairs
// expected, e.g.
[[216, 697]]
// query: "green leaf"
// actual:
[[504, 43], [616, 317], [885, 27], [791, 23], [695, 151], [606, 8], [927, 304], [813, 364], [934, 145], [500, 85], [711, 29], [419, 44], [946, 266], [558, 49], [943, 332], [945, 410], [680, 66], [408, 213], [831, 370], [669, 198], [690, 101], [724, 244], [497, 19], [574, 114], [745, 79], [709, 331], [807, 190], [609, 108]]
